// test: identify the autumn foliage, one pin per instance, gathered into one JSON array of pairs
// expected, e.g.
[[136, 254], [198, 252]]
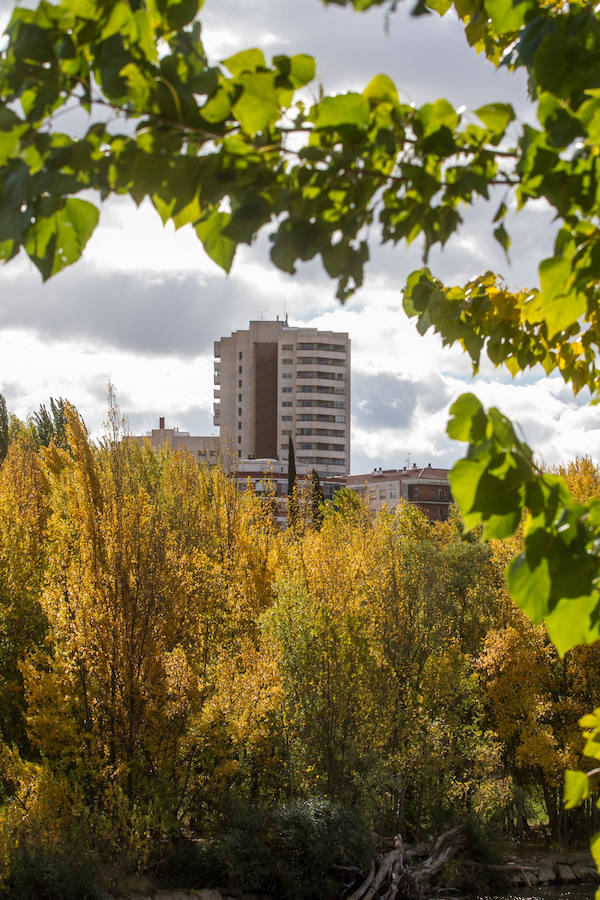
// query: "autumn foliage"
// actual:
[[168, 657]]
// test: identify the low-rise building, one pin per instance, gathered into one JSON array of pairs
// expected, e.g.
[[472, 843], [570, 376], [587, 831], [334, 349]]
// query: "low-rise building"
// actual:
[[206, 449], [427, 487]]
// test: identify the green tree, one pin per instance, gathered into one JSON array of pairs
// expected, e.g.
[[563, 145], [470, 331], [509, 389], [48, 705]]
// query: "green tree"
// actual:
[[317, 499], [292, 486], [50, 425]]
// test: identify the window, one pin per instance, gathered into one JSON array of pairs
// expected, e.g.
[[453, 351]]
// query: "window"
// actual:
[[239, 370], [286, 390], [287, 346], [287, 375], [286, 431], [239, 426], [393, 495], [340, 390], [239, 439], [239, 454], [382, 495], [286, 418], [287, 403], [239, 410], [339, 418], [239, 398], [287, 362], [239, 382], [240, 355]]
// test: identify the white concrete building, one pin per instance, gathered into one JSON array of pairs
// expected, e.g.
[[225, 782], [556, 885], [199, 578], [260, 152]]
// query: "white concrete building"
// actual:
[[274, 381]]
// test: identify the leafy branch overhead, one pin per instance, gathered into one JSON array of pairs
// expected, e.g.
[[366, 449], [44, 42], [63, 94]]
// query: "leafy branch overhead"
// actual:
[[234, 147]]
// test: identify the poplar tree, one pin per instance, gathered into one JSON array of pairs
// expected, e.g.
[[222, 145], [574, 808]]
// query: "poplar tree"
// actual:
[[292, 485]]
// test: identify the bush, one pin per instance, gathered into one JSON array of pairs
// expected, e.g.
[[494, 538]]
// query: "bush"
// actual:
[[287, 851], [38, 873]]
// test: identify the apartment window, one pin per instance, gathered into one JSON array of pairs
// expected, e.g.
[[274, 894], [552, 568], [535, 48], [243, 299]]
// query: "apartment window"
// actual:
[[239, 382], [239, 454], [239, 370], [239, 398], [382, 495], [286, 418], [339, 418], [240, 355], [239, 439], [393, 495], [239, 410], [287, 375], [239, 426], [286, 390], [287, 403], [286, 431], [339, 390], [287, 346], [287, 362]]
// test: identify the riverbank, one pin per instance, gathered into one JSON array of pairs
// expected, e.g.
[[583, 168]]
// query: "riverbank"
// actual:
[[443, 869]]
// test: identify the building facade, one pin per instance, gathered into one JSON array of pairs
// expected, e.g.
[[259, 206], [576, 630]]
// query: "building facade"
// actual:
[[274, 381], [425, 487], [206, 449]]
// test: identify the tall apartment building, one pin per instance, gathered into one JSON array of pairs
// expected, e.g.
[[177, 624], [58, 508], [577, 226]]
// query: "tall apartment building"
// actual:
[[273, 381]]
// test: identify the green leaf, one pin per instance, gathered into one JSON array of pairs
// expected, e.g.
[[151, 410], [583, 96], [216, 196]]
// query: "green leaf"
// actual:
[[440, 114], [220, 248], [257, 106], [464, 481], [496, 116], [468, 419], [440, 6], [60, 233], [508, 15], [573, 621], [218, 108], [344, 109], [502, 237], [576, 788], [530, 587], [557, 303], [299, 70], [247, 61], [120, 20], [381, 88]]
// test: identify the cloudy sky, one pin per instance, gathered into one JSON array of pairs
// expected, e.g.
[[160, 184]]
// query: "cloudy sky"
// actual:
[[144, 305]]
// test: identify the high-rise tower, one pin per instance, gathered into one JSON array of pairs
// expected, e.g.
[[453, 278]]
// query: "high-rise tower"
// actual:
[[273, 381]]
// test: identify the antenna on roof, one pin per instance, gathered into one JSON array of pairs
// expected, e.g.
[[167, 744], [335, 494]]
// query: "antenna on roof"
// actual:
[[261, 313]]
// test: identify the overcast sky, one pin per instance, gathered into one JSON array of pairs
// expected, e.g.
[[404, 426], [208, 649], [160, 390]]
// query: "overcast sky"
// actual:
[[144, 305]]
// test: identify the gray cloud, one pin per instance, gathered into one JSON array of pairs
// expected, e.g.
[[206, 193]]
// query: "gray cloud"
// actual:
[[383, 400], [170, 314]]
